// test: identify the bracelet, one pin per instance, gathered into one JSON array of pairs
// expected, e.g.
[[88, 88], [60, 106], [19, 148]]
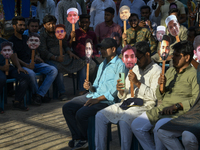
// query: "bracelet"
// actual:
[[178, 106]]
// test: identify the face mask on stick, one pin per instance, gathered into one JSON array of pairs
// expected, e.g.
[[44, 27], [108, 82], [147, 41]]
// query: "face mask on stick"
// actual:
[[124, 13]]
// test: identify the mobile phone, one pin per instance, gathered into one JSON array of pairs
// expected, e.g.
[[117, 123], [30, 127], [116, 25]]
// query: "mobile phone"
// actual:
[[122, 78], [143, 19]]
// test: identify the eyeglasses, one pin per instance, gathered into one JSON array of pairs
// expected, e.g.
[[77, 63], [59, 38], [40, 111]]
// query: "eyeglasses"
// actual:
[[32, 40], [61, 31]]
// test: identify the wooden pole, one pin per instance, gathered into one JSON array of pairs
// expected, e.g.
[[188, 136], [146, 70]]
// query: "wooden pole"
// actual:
[[177, 39], [87, 73], [60, 47], [132, 86], [33, 56], [159, 50], [73, 29], [124, 26], [6, 64], [163, 72]]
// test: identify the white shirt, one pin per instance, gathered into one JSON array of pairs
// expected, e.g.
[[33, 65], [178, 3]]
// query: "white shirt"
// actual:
[[97, 11], [48, 8], [152, 16]]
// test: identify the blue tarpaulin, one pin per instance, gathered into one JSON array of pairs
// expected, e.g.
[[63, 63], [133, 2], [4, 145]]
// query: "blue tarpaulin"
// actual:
[[9, 8]]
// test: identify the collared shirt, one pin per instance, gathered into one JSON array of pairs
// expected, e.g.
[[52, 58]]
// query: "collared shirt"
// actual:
[[97, 12], [179, 88], [104, 31], [106, 80], [165, 9], [79, 45], [21, 48], [134, 8], [149, 81], [141, 34], [48, 8]]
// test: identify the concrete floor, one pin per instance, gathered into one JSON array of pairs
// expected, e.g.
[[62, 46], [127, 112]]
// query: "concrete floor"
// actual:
[[40, 128]]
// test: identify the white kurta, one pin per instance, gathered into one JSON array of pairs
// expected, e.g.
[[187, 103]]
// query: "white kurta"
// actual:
[[149, 79]]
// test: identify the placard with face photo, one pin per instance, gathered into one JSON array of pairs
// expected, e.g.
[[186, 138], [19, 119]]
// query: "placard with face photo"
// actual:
[[33, 41], [60, 32], [72, 15], [88, 49], [165, 47], [172, 25], [160, 32], [6, 49], [124, 13], [129, 57]]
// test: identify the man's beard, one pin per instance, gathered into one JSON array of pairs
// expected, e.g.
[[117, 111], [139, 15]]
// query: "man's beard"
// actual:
[[135, 26], [21, 31]]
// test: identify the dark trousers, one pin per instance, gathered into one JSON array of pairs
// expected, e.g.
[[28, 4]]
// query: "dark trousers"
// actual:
[[76, 116], [22, 78]]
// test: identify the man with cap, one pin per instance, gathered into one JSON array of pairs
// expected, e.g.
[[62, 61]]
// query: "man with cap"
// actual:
[[178, 96], [106, 28], [72, 15], [145, 76], [101, 94]]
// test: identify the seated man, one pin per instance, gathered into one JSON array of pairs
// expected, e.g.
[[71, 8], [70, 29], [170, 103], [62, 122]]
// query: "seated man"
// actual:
[[117, 37], [179, 92], [81, 35], [136, 34], [49, 51], [106, 28], [24, 54], [33, 26], [102, 94], [145, 76], [13, 72]]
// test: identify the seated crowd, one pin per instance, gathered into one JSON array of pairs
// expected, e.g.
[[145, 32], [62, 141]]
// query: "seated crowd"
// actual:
[[130, 101]]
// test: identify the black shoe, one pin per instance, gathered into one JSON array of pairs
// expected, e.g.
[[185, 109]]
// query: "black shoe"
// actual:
[[80, 145], [37, 100], [20, 106], [46, 99], [63, 97], [72, 143]]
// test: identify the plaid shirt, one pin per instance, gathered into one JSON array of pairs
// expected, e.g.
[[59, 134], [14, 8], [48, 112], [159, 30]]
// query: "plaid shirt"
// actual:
[[141, 34]]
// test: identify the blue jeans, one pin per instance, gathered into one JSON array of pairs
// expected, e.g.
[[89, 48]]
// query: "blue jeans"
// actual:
[[43, 68], [59, 80]]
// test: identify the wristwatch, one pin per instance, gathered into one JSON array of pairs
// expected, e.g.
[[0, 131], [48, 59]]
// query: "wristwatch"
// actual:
[[178, 106]]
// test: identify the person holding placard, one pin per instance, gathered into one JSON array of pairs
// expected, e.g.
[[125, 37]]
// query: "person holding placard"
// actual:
[[101, 94], [144, 76], [179, 94], [16, 72], [136, 34]]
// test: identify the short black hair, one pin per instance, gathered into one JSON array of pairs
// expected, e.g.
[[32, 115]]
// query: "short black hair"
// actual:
[[166, 38], [184, 47], [33, 34], [115, 34], [84, 16], [6, 43], [193, 29], [89, 41], [128, 47], [16, 19], [33, 20], [174, 10], [142, 47], [132, 15], [60, 25], [110, 10], [49, 18], [145, 7]]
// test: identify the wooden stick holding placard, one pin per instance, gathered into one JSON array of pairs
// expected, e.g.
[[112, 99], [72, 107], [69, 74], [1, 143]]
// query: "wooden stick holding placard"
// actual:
[[87, 73], [6, 64], [132, 86], [124, 26], [159, 50], [33, 56], [73, 29], [60, 47], [177, 38], [163, 72]]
